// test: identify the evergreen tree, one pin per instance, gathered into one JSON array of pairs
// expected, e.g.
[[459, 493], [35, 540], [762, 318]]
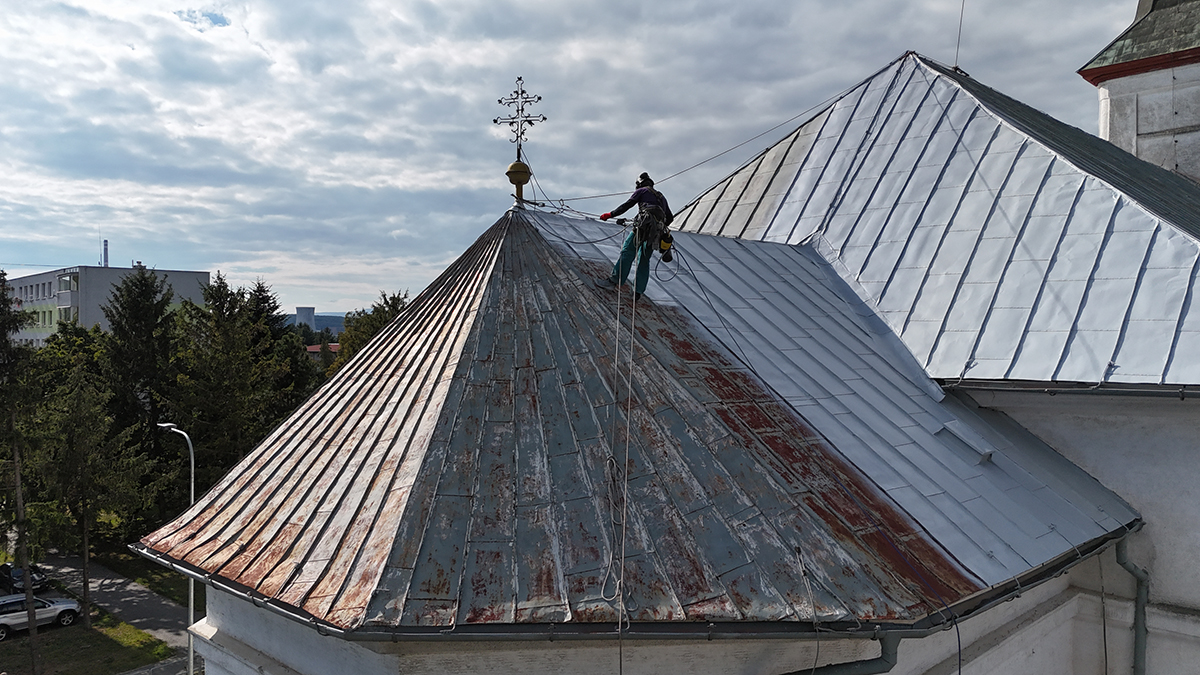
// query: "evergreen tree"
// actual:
[[363, 325], [222, 382], [265, 309], [241, 371], [327, 355], [138, 366]]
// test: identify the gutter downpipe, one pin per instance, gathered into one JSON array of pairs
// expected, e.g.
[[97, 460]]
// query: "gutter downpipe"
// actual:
[[889, 647], [1140, 631]]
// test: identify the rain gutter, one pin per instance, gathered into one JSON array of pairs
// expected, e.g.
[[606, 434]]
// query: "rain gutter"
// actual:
[[888, 635], [1081, 388], [889, 655], [1140, 631]]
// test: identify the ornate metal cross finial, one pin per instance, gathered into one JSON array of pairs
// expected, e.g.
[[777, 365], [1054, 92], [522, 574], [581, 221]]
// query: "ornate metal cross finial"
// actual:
[[519, 121]]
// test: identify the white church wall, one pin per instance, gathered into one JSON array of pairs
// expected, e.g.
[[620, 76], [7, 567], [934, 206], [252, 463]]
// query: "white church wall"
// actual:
[[1036, 633], [237, 638], [1155, 116], [1147, 450]]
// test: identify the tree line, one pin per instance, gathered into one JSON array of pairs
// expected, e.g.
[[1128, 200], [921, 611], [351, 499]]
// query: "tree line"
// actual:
[[85, 456]]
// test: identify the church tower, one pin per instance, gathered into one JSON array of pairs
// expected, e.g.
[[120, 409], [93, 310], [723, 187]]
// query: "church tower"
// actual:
[[1149, 82]]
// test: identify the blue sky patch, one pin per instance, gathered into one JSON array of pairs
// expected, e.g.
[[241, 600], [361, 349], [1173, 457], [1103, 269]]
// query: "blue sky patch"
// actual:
[[203, 20]]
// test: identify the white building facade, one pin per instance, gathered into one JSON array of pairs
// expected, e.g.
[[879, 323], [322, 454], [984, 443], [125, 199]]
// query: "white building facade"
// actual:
[[79, 293]]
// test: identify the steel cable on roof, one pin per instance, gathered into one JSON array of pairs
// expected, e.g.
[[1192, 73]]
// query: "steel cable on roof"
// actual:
[[562, 206], [879, 526], [818, 106], [953, 617], [728, 328], [949, 615]]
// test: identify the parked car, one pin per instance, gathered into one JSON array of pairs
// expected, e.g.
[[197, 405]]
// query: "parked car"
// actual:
[[12, 578], [14, 617]]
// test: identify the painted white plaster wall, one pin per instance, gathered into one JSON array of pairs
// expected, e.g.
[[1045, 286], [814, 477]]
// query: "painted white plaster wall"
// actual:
[[1147, 450], [1155, 116], [1037, 633], [237, 638]]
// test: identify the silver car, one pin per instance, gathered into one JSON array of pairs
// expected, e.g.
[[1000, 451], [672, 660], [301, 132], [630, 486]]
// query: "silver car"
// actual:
[[13, 616]]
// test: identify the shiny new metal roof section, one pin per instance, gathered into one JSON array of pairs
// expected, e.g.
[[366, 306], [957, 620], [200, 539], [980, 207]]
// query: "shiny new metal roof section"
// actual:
[[995, 241], [468, 468]]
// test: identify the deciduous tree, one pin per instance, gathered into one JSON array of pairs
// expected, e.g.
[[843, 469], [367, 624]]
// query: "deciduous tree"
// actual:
[[83, 465], [14, 401]]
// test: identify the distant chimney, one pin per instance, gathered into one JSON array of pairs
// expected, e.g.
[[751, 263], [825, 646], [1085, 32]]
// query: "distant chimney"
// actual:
[[106, 253], [307, 316]]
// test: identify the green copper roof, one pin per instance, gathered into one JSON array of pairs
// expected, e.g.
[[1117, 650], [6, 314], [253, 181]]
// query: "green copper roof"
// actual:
[[1169, 27]]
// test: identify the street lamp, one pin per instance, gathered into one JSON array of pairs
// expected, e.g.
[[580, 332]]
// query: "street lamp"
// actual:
[[191, 582]]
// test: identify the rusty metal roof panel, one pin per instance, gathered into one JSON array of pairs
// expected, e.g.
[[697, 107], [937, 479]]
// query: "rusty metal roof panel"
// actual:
[[469, 468], [772, 452], [996, 242], [820, 349]]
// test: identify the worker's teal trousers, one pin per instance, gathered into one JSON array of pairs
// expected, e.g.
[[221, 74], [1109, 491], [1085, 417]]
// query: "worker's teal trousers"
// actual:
[[632, 247]]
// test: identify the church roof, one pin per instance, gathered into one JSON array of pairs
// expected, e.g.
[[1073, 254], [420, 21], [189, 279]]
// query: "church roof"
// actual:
[[778, 458], [1167, 35], [998, 243]]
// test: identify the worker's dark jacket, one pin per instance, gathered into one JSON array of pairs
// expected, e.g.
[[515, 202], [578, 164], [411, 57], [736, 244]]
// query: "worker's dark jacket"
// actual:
[[648, 199]]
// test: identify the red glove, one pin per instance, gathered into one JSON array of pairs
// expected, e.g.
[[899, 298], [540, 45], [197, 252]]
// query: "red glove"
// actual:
[[605, 216]]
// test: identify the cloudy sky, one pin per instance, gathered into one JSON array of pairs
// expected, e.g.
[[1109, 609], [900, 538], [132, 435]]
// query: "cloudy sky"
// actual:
[[336, 149]]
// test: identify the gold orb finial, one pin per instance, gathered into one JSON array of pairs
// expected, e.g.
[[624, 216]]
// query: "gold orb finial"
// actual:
[[518, 174]]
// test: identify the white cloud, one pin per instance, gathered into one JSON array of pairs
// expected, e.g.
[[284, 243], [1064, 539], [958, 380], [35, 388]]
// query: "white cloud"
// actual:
[[338, 150]]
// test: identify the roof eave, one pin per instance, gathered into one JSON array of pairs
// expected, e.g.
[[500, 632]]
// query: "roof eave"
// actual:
[[1101, 74], [1180, 391], [691, 630]]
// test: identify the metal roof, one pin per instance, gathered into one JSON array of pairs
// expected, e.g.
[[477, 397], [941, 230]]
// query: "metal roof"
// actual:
[[787, 459], [1170, 27], [995, 241]]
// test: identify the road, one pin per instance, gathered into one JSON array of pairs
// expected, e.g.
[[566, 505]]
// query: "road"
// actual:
[[133, 603]]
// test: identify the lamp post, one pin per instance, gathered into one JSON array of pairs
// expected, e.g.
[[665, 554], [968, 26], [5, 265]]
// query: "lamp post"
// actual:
[[191, 582]]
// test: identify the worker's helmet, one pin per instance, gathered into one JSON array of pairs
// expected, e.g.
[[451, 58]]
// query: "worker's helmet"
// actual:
[[644, 180]]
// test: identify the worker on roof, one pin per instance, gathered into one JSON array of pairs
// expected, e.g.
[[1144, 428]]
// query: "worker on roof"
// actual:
[[654, 215]]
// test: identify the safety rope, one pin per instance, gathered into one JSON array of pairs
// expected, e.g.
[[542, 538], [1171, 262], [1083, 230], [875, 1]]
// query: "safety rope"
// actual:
[[620, 473], [812, 603], [623, 614]]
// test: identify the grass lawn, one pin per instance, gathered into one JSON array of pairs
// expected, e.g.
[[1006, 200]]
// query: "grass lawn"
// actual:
[[110, 647], [157, 578]]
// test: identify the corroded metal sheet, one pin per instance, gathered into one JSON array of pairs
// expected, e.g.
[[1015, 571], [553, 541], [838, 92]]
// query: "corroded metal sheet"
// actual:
[[838, 379], [491, 459], [522, 447]]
